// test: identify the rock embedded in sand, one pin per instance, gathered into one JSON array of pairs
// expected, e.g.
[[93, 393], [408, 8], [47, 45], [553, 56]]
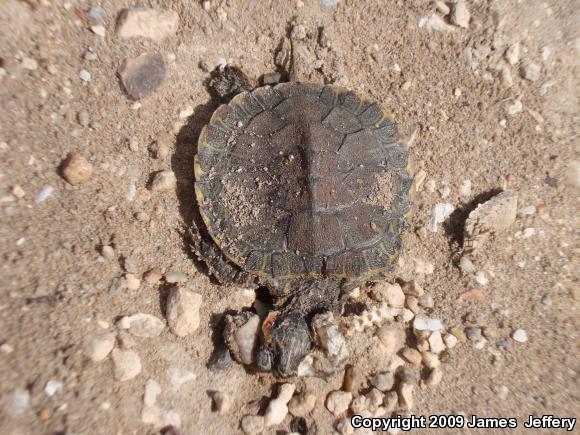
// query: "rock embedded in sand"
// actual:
[[163, 180], [520, 336], [278, 407], [391, 338], [424, 323], [179, 376], [142, 75], [392, 293], [133, 283], [406, 395], [222, 402], [76, 169], [513, 107], [337, 402], [182, 311], [439, 213], [302, 404], [97, 348], [175, 277], [252, 424], [150, 23], [434, 377], [412, 355], [127, 364], [330, 337], [460, 14], [512, 54], [530, 71], [383, 381], [142, 325], [436, 342]]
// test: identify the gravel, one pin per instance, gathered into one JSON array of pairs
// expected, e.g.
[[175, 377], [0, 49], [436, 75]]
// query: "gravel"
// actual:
[[142, 325], [142, 75], [142, 22], [163, 181], [76, 169], [97, 348], [337, 402], [182, 311], [127, 364], [43, 194], [85, 75], [530, 71], [520, 336]]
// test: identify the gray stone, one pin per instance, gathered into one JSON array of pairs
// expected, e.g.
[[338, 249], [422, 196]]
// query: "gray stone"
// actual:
[[142, 75]]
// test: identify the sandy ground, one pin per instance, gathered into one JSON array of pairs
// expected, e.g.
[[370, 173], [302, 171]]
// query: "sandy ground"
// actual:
[[456, 88]]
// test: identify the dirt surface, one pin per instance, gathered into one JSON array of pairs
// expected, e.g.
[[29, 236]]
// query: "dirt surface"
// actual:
[[59, 286]]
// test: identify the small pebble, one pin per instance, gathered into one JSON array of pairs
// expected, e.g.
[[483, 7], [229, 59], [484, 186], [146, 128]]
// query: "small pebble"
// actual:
[[434, 377], [383, 381], [19, 401], [480, 278], [52, 387], [133, 283], [134, 144], [175, 277], [302, 404], [142, 325], [473, 334], [337, 402], [526, 211], [83, 118], [159, 149], [29, 64], [89, 55], [99, 30], [85, 75], [391, 338], [411, 355], [153, 276], [180, 376], [502, 392], [182, 311], [144, 22], [530, 71], [514, 107], [43, 194], [76, 169], [520, 336], [460, 14], [142, 75], [222, 402], [97, 348], [107, 252], [163, 180], [424, 323], [127, 364], [18, 191], [6, 348], [436, 342], [450, 341], [512, 54], [252, 424], [277, 408]]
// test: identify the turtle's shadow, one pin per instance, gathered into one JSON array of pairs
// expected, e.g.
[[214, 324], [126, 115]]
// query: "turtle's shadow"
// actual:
[[182, 165]]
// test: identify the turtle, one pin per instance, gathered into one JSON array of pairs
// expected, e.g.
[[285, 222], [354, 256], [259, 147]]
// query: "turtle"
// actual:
[[304, 189]]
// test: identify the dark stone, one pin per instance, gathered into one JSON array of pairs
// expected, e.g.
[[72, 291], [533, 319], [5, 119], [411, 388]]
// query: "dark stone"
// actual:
[[142, 75]]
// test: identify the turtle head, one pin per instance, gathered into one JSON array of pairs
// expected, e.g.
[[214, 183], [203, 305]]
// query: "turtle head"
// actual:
[[286, 341]]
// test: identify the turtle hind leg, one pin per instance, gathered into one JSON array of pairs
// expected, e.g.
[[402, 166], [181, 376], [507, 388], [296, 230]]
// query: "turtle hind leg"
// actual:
[[227, 81], [217, 265]]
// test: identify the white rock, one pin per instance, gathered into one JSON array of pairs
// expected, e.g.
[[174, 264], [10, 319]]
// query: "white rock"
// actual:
[[434, 377], [442, 7], [460, 14], [439, 213], [6, 348], [465, 190], [423, 267], [52, 387], [392, 293], [445, 191], [480, 278], [29, 63], [147, 23], [252, 424], [520, 336], [183, 311], [142, 325], [383, 381], [99, 30], [437, 24], [163, 180], [222, 402], [152, 390], [19, 401], [530, 71], [133, 283], [466, 265], [127, 364], [436, 342], [424, 323], [391, 338], [513, 107], [98, 347], [247, 339], [85, 75], [331, 339], [450, 341], [419, 179], [337, 402], [175, 277], [43, 194], [179, 376], [512, 54], [431, 360], [502, 392], [277, 408], [406, 395], [526, 211]]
